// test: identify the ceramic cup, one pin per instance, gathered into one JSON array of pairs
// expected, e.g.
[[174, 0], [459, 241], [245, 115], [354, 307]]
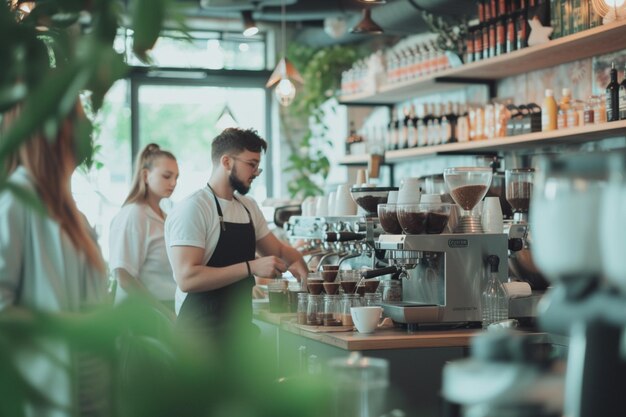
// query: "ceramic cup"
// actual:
[[344, 204], [366, 318], [430, 198], [392, 197], [332, 196], [321, 207], [361, 177]]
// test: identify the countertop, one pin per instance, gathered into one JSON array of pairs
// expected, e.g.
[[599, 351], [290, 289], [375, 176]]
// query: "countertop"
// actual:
[[392, 338]]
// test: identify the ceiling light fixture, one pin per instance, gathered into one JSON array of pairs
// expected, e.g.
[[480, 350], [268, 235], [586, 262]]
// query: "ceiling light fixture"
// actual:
[[249, 25], [285, 73], [367, 26], [373, 1]]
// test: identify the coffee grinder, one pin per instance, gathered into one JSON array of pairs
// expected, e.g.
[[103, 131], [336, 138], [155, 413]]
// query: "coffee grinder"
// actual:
[[468, 186]]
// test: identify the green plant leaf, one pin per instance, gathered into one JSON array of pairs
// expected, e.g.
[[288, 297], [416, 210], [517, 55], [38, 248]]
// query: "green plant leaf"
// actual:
[[51, 100], [148, 17]]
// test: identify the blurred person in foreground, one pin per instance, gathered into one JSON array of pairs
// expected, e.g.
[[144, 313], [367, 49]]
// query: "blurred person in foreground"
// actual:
[[136, 245], [50, 262], [211, 239]]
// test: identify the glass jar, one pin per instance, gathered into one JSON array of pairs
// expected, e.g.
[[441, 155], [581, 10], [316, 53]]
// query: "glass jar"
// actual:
[[392, 290], [302, 307], [294, 290], [314, 310], [348, 301], [277, 294], [372, 299], [588, 111], [331, 316]]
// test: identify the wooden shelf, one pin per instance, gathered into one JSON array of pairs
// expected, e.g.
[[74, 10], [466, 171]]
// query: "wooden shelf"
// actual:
[[361, 159], [537, 139], [591, 42]]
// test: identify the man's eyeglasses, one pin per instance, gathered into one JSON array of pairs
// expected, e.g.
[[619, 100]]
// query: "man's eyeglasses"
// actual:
[[254, 165]]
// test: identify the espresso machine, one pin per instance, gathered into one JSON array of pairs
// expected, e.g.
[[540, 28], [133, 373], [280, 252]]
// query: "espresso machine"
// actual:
[[442, 275], [347, 241], [578, 223]]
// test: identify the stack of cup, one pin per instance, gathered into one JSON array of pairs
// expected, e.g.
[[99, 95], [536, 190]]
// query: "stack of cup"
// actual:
[[344, 204], [409, 192], [491, 219]]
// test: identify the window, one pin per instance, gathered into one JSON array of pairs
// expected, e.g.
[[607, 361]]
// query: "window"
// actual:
[[100, 192], [209, 50], [184, 120]]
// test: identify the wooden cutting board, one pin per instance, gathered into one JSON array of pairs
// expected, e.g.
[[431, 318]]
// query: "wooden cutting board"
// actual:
[[324, 329]]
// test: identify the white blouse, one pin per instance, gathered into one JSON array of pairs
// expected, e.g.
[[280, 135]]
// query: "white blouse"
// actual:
[[137, 245]]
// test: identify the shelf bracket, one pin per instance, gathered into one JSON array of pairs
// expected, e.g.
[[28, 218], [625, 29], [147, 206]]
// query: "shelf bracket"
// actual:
[[490, 84]]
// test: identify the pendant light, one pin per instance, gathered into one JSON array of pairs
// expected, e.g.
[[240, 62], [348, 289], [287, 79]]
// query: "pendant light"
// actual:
[[285, 73], [249, 25], [367, 26]]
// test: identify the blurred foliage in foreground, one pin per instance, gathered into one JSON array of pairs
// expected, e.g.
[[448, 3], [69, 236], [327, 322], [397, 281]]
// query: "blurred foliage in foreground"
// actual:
[[156, 371]]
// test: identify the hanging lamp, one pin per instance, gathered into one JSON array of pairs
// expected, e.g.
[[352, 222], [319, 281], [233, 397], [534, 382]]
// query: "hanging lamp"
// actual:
[[285, 73], [367, 26], [249, 25]]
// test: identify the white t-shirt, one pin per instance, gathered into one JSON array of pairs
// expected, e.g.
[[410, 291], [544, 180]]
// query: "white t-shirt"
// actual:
[[136, 244], [195, 222]]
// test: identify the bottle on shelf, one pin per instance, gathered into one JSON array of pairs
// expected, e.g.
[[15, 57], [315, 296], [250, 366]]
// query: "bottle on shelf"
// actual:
[[564, 108], [511, 33], [404, 132], [421, 127], [548, 112], [412, 128], [521, 25], [485, 31], [500, 47], [395, 133], [494, 302], [478, 42], [462, 125], [492, 37], [622, 97], [612, 96]]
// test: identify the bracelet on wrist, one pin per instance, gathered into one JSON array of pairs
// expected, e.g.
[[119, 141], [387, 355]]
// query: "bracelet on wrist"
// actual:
[[249, 269]]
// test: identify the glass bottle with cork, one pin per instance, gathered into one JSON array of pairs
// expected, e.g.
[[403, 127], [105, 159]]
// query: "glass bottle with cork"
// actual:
[[612, 97], [622, 97]]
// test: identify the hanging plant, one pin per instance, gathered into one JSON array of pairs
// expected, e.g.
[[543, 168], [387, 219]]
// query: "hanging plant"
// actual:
[[321, 70]]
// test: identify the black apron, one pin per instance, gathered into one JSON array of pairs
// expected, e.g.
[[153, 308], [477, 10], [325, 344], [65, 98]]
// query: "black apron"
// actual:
[[225, 311]]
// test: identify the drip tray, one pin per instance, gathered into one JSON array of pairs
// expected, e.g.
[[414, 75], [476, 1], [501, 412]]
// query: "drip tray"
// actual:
[[413, 312]]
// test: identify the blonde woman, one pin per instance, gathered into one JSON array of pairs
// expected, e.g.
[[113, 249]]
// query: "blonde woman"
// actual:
[[49, 262], [137, 247]]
